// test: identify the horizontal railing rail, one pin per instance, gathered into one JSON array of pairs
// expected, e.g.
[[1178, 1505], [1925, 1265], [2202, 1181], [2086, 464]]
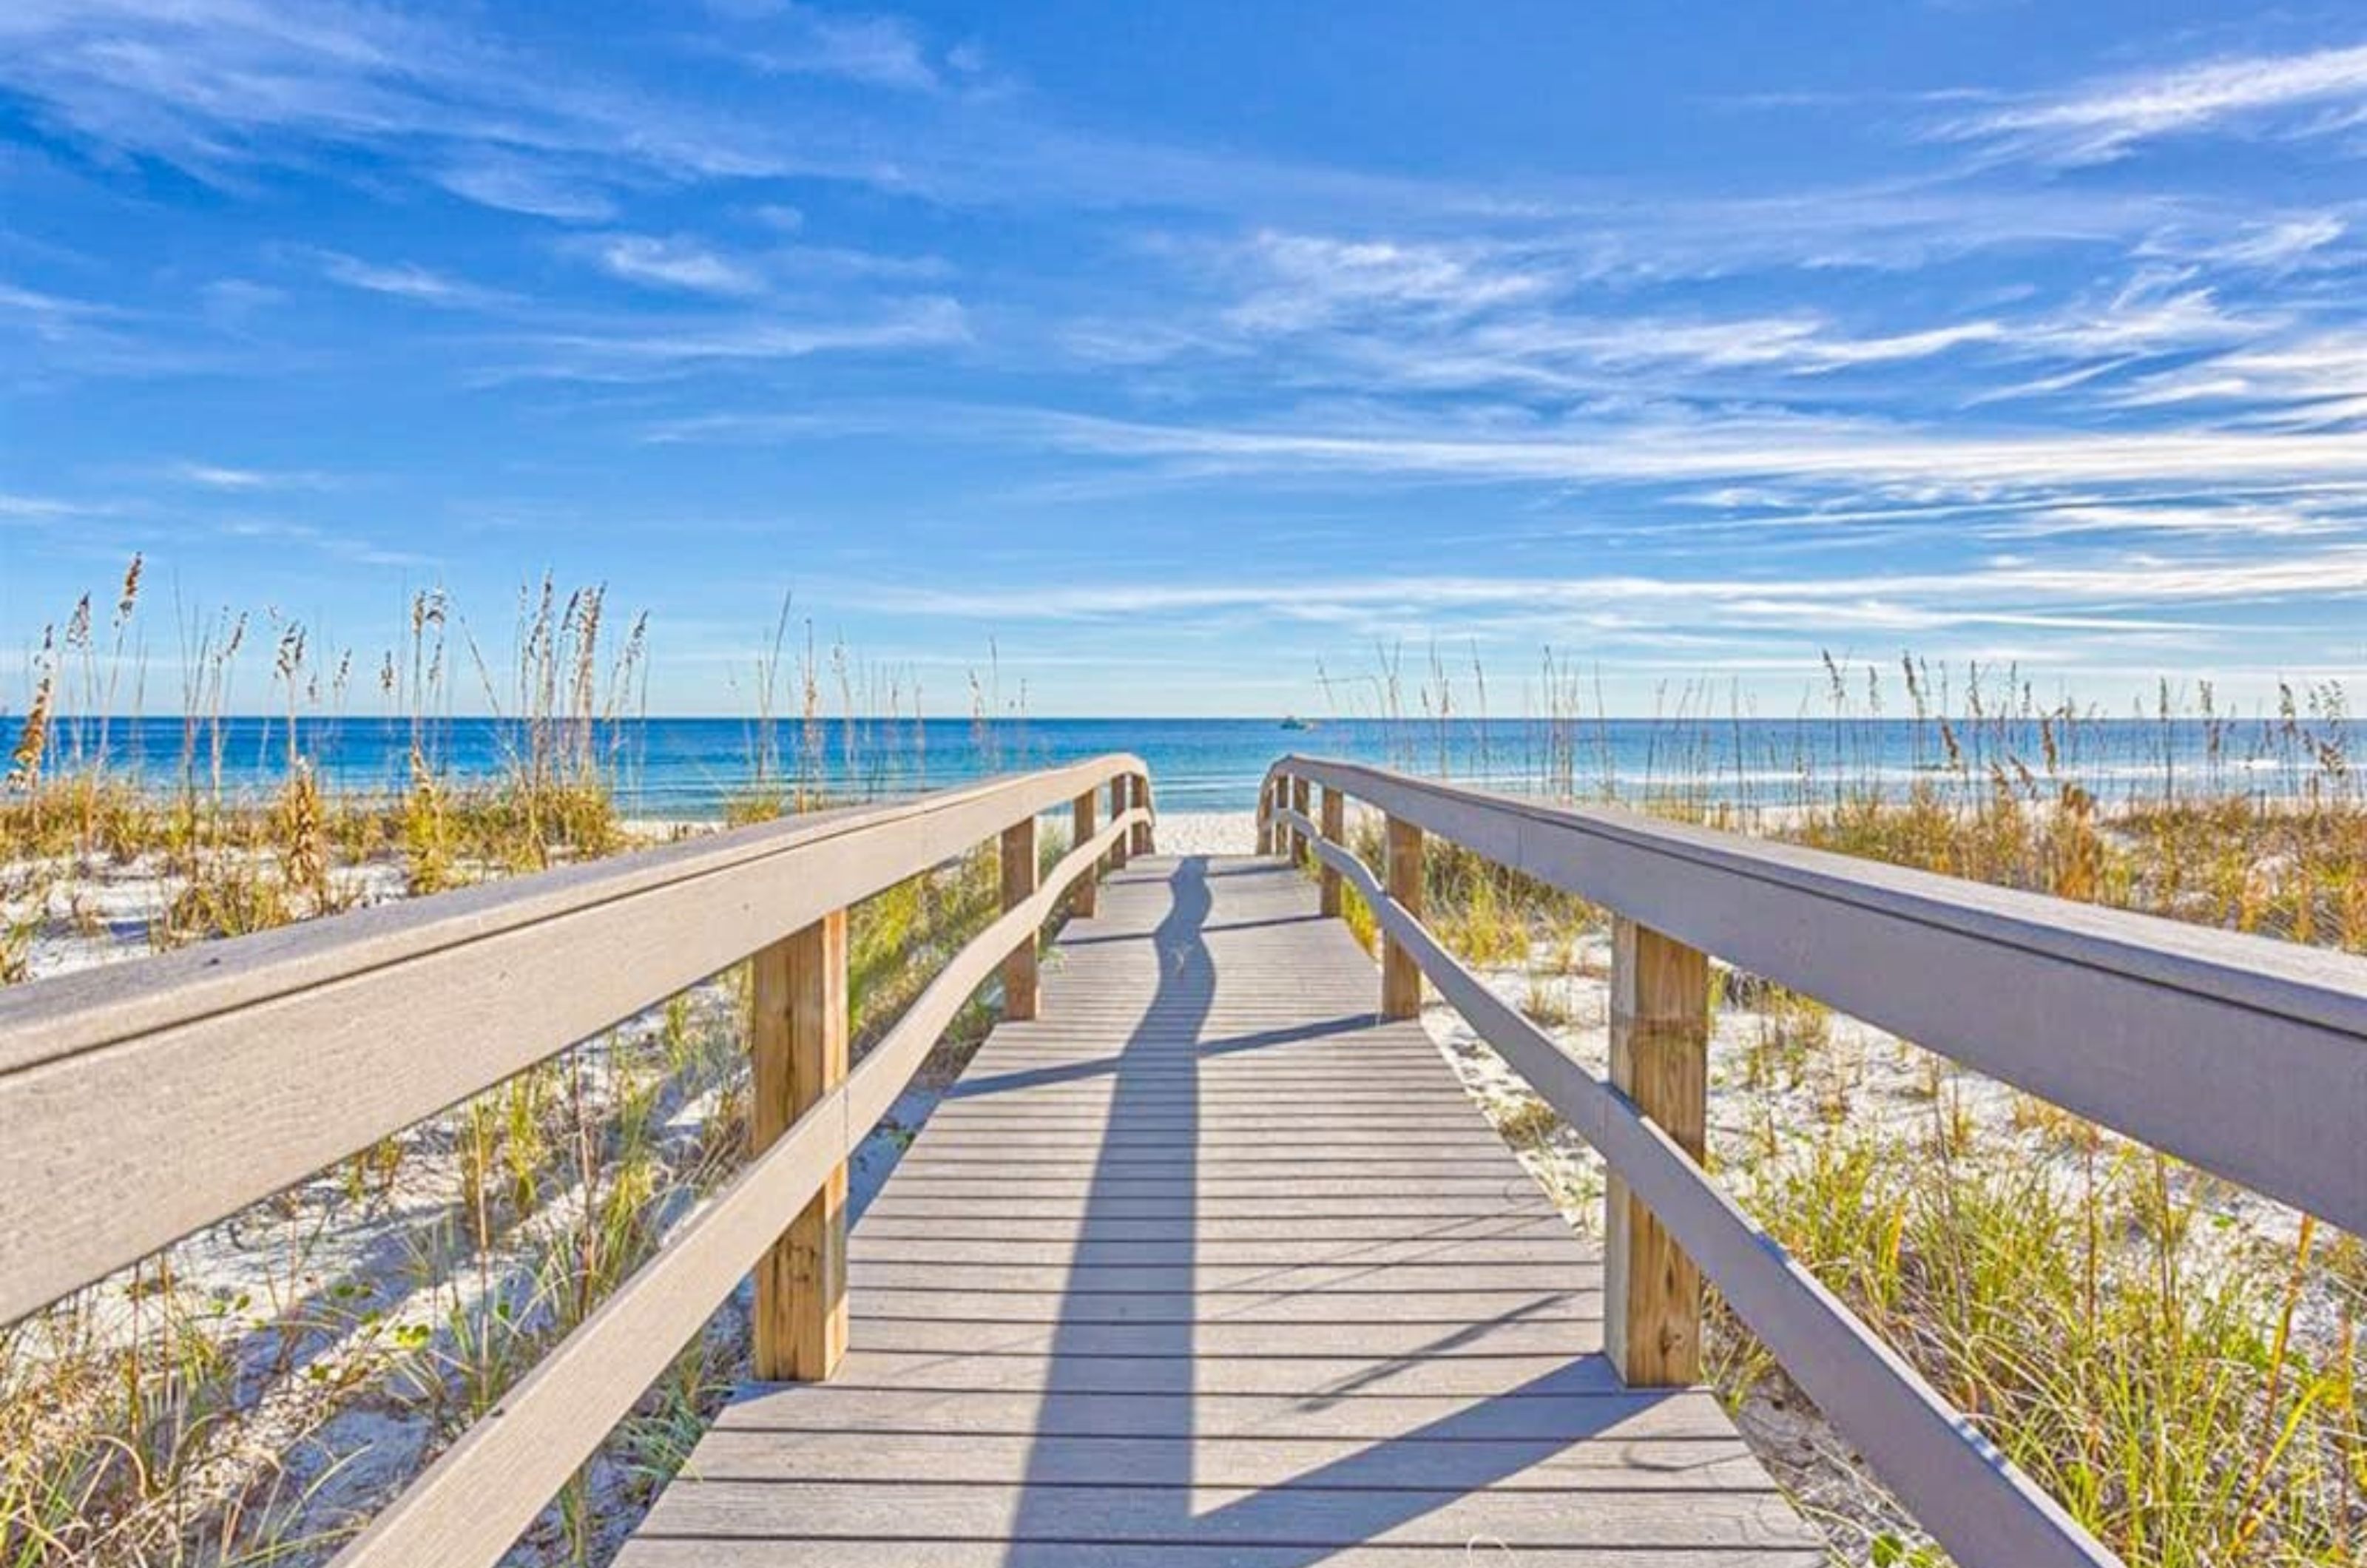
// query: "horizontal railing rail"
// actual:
[[2158, 1030], [142, 1101], [2243, 1055]]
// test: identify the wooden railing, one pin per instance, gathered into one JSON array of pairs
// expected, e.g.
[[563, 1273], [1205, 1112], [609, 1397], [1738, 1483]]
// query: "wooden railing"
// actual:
[[2240, 1055], [140, 1102]]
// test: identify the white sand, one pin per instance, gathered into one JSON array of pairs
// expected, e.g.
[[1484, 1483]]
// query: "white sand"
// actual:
[[1207, 833]]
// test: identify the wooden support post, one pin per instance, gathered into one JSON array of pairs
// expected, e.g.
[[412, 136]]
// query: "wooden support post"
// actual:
[[798, 1042], [1117, 808], [1018, 887], [1265, 816], [1297, 836], [1141, 834], [1335, 825], [1660, 1059], [1401, 976], [1087, 901]]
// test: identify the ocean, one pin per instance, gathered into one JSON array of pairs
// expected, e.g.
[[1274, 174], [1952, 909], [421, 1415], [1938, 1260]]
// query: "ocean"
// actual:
[[688, 767]]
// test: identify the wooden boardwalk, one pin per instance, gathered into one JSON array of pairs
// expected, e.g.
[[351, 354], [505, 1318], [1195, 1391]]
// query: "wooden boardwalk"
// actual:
[[1209, 1265]]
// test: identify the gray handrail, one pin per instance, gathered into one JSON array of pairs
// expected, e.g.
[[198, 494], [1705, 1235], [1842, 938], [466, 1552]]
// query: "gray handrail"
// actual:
[[1973, 1500], [143, 1100], [2242, 1054]]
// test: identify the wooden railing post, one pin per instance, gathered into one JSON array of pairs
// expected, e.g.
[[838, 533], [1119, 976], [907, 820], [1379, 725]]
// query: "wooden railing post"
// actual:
[[1298, 804], [1335, 822], [1265, 816], [1018, 855], [1401, 976], [798, 1042], [1141, 834], [1087, 901], [1119, 849], [1660, 1059]]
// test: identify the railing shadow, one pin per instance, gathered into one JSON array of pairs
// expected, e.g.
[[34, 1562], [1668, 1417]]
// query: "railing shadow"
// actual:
[[1369, 1490], [1167, 1032]]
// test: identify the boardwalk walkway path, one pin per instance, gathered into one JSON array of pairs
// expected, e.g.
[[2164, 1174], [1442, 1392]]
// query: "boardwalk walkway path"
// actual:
[[1210, 1266]]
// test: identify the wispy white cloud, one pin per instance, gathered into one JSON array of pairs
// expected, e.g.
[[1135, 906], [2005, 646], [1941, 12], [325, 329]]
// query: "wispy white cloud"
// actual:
[[1307, 281], [2280, 243], [2097, 596], [797, 40], [407, 280], [1741, 448], [343, 546], [2098, 121], [644, 350], [512, 184], [676, 263], [222, 477], [21, 508], [78, 336], [2308, 379], [52, 316], [1380, 316]]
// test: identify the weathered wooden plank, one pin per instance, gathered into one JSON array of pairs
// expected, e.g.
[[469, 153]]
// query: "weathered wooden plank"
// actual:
[[1330, 1231], [1139, 840], [1085, 902], [1116, 1186], [867, 1272], [798, 1042], [1016, 857], [1287, 1206], [1187, 1252], [1299, 1516], [952, 1137], [1659, 1464], [1223, 1338], [1181, 1377], [662, 1553], [1660, 1059], [1578, 1302], [1401, 976], [1279, 1165], [1334, 829], [1380, 1418], [966, 1225]]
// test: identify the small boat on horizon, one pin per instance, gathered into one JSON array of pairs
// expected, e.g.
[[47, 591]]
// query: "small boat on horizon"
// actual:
[[1292, 721]]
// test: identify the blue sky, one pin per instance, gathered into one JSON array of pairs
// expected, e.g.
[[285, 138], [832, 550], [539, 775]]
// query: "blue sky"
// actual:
[[1179, 350]]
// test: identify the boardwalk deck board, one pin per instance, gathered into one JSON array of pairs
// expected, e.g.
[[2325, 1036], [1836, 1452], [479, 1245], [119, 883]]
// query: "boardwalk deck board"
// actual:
[[1211, 1266]]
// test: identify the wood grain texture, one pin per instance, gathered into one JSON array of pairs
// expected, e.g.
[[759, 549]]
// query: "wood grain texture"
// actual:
[[1335, 828], [1401, 976], [1016, 857], [799, 1048], [1151, 1286], [2240, 1053], [144, 1099], [1660, 1059], [1086, 899]]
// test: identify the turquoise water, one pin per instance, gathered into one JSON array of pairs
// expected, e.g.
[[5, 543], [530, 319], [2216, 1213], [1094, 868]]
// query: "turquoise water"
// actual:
[[686, 767]]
